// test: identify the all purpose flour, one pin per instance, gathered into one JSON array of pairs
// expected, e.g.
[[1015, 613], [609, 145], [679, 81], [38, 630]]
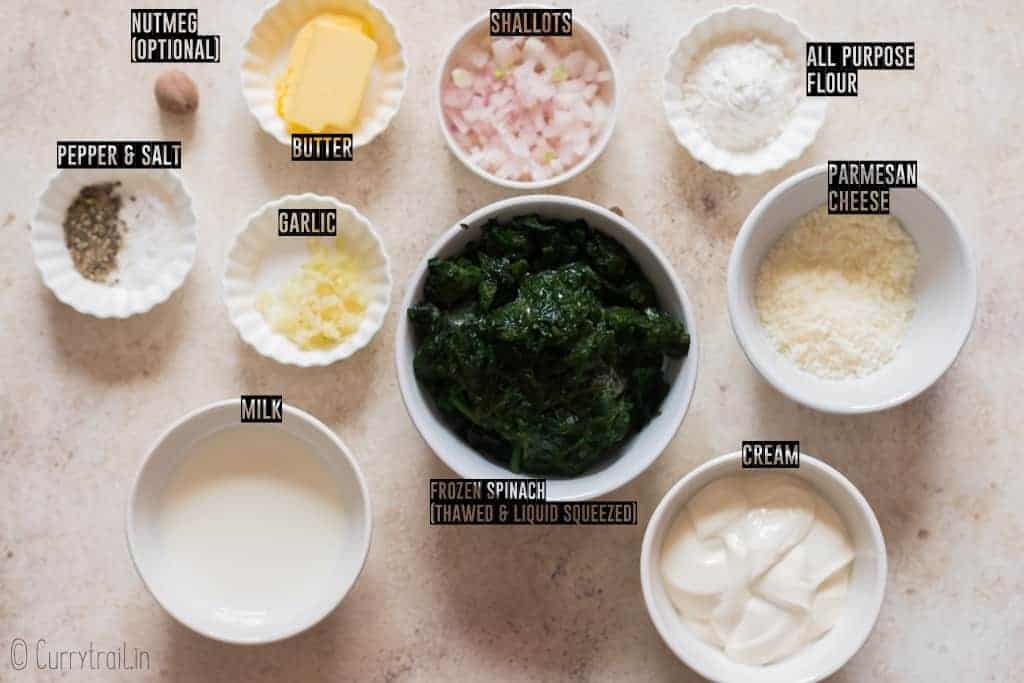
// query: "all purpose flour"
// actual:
[[742, 93]]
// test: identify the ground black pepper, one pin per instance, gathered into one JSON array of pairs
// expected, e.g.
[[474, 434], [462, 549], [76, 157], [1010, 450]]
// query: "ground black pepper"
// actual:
[[93, 232]]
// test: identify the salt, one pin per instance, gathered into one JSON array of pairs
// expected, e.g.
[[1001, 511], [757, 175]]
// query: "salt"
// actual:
[[152, 233]]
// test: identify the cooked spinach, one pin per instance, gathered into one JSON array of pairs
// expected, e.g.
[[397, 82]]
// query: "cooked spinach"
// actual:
[[542, 344]]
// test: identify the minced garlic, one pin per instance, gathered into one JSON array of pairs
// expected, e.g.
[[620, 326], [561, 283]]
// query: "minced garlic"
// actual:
[[321, 304]]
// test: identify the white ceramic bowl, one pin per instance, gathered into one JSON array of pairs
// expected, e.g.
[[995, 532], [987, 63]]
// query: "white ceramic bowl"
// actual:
[[803, 126], [265, 55], [171, 259], [258, 259], [945, 292], [594, 46], [643, 448], [822, 657], [158, 467]]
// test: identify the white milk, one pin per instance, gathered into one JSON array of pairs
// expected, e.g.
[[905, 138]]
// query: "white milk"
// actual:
[[251, 525]]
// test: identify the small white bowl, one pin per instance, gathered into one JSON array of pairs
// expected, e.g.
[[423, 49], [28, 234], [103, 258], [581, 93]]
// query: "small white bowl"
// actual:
[[637, 454], [155, 473], [172, 261], [265, 55], [593, 44], [822, 657], [945, 293], [807, 118], [258, 259]]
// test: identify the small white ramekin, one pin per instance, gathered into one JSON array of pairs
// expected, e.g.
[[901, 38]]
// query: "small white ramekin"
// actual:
[[156, 471], [593, 42], [114, 300], [945, 294], [733, 21], [258, 259], [820, 658], [643, 448], [265, 55]]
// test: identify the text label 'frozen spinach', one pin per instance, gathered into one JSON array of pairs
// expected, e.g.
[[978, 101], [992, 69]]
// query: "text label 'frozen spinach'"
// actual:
[[517, 501]]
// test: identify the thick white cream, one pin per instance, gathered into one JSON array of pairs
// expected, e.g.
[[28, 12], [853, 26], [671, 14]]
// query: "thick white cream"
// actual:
[[758, 565], [251, 525]]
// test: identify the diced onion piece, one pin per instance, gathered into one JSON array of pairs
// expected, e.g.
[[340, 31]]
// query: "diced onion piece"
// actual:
[[461, 78], [525, 108]]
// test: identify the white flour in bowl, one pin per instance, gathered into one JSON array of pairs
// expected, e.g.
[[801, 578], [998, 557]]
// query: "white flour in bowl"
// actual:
[[742, 92]]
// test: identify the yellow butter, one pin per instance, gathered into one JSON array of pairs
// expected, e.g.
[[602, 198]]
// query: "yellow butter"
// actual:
[[323, 86]]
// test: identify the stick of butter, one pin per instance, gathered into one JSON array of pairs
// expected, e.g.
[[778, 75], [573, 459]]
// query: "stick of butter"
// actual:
[[329, 66]]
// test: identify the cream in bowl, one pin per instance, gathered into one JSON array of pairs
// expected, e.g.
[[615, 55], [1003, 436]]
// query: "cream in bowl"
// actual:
[[758, 566], [527, 112], [248, 533], [757, 576]]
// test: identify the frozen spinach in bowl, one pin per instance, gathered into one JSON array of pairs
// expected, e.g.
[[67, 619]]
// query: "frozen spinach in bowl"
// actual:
[[543, 345]]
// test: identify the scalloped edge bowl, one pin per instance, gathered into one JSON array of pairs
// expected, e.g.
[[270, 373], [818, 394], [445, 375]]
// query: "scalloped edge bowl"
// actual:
[[93, 298], [265, 54], [255, 242], [804, 124]]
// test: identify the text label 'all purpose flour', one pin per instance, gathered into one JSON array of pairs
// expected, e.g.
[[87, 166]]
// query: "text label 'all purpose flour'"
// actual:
[[832, 68]]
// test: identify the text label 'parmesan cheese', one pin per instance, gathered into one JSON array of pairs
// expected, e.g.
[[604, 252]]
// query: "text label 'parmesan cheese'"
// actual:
[[862, 187]]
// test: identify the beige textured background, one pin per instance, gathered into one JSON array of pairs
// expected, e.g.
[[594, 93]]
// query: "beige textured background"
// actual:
[[82, 398]]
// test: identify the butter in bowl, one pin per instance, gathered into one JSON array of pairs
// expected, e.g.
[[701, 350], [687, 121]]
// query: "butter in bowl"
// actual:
[[316, 66]]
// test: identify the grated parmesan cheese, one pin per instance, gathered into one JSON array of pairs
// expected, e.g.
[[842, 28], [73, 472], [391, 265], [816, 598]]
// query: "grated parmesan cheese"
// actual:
[[835, 292]]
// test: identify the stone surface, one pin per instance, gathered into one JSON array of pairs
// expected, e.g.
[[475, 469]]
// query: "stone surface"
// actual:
[[82, 398]]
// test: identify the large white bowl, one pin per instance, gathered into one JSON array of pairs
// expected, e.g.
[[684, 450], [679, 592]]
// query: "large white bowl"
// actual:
[[945, 292], [159, 465], [595, 46], [638, 452], [822, 657]]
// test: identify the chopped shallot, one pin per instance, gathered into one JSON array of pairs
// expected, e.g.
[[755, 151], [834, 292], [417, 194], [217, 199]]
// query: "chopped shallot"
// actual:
[[523, 109]]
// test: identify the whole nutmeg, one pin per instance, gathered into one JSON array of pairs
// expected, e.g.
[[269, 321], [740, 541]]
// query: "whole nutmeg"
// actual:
[[175, 92]]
